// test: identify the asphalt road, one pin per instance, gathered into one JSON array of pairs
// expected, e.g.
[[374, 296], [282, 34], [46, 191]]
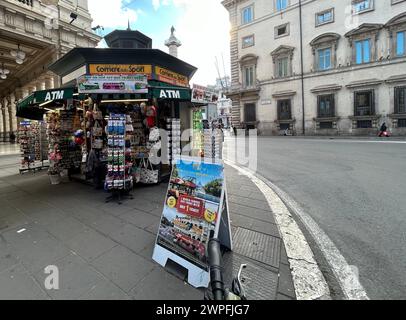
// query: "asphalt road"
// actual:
[[356, 192]]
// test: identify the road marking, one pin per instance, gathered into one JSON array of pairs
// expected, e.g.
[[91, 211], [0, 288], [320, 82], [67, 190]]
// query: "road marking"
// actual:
[[362, 141], [349, 141], [308, 279]]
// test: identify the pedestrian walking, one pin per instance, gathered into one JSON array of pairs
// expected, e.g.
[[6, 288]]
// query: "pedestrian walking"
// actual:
[[12, 137], [383, 129]]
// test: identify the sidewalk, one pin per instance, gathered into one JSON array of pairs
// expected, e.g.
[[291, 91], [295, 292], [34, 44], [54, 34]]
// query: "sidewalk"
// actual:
[[103, 251], [9, 149]]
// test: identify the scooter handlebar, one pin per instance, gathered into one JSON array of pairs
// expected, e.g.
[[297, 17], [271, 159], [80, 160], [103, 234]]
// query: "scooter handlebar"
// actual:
[[216, 271]]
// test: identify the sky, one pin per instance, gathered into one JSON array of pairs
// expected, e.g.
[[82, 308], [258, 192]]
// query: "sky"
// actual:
[[201, 25]]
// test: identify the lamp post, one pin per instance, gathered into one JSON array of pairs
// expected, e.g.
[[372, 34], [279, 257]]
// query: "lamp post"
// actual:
[[301, 67]]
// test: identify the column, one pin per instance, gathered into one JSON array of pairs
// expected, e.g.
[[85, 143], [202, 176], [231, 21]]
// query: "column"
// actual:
[[1, 120], [49, 83], [31, 89], [24, 93], [12, 115], [6, 120], [40, 85], [57, 81], [19, 94]]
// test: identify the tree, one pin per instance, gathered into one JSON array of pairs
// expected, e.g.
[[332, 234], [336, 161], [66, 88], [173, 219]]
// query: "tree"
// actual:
[[214, 188]]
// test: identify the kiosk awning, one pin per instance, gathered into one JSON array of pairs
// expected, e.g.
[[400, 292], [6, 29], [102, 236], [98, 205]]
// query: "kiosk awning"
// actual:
[[32, 107]]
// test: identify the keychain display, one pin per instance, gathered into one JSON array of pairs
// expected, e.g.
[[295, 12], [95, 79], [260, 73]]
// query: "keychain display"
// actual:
[[119, 167]]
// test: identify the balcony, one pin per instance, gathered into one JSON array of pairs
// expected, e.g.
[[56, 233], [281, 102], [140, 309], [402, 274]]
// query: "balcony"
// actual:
[[27, 2]]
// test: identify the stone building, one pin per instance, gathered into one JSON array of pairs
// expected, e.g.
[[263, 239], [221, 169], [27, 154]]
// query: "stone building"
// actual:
[[319, 67], [33, 34]]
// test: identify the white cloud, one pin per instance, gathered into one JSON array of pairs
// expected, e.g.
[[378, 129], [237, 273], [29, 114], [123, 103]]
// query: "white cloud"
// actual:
[[158, 3], [204, 31], [113, 15]]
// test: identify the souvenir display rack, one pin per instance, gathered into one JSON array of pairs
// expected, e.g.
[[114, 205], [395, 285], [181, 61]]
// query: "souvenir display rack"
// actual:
[[198, 136], [174, 138], [33, 145], [119, 179], [64, 154], [213, 140]]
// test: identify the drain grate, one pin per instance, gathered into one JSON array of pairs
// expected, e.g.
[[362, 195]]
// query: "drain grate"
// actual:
[[258, 246], [258, 283]]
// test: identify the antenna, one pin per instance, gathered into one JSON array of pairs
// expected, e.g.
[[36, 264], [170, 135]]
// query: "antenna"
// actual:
[[218, 71], [225, 73]]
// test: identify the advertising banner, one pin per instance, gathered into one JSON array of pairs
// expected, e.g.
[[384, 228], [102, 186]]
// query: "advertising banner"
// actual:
[[113, 84], [119, 69], [171, 77], [201, 94], [191, 216]]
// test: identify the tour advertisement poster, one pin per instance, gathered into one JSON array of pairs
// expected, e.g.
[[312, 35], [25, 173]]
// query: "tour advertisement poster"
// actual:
[[113, 84], [191, 211]]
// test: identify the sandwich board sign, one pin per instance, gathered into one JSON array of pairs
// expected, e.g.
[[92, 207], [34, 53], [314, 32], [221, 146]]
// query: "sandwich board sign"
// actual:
[[195, 211]]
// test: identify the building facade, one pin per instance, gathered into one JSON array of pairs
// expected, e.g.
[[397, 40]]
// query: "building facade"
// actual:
[[318, 67], [34, 34]]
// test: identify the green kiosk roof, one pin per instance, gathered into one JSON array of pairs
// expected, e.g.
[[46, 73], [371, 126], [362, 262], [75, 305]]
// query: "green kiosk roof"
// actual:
[[35, 105]]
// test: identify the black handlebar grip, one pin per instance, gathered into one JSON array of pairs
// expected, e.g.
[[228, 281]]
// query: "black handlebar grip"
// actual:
[[216, 271]]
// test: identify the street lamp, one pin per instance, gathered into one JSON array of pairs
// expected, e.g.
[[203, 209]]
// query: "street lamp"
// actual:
[[73, 16], [3, 71], [19, 55]]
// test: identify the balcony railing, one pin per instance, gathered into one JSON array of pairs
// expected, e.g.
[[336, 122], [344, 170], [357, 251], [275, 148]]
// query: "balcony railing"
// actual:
[[27, 2]]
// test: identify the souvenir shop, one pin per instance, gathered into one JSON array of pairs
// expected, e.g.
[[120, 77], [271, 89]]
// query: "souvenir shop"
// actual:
[[114, 125]]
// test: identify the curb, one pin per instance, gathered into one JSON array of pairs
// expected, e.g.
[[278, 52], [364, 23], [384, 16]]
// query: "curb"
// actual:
[[345, 274], [308, 279]]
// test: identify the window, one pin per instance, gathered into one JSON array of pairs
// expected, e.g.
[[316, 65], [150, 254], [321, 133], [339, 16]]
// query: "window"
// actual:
[[324, 49], [364, 124], [282, 61], [363, 51], [324, 17], [248, 76], [282, 30], [248, 41], [401, 123], [247, 14], [324, 59], [326, 125], [359, 6], [364, 103], [281, 5], [284, 110], [400, 100], [250, 114], [284, 126], [128, 44], [325, 106], [400, 43], [282, 67]]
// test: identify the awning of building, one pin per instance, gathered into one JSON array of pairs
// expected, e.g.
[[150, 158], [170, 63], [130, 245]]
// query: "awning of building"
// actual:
[[39, 102]]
